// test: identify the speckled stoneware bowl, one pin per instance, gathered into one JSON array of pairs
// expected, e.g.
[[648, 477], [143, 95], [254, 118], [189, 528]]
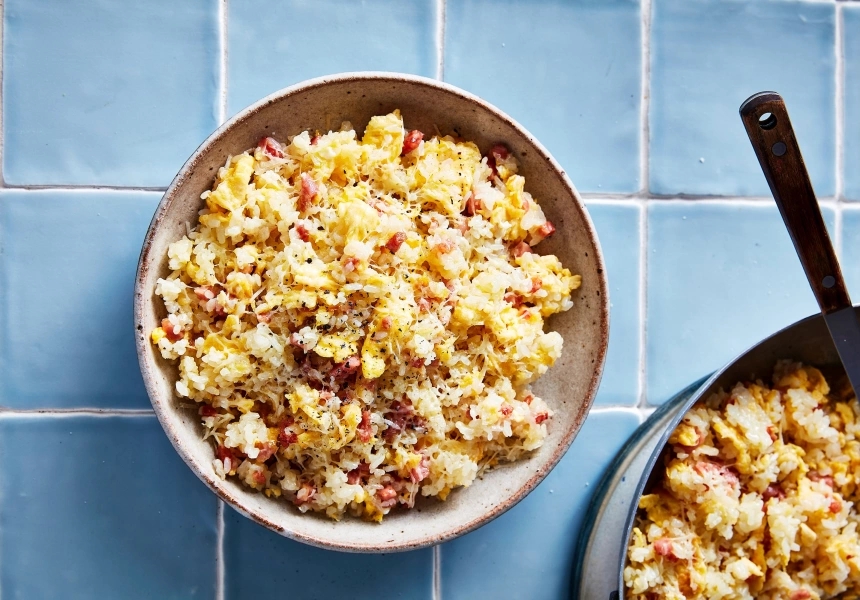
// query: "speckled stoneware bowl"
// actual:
[[569, 387]]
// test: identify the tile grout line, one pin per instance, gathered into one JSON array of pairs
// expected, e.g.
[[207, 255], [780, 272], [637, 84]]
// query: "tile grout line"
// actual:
[[219, 551], [440, 39], [2, 115], [645, 98], [82, 188], [6, 413], [222, 65], [839, 41], [437, 572]]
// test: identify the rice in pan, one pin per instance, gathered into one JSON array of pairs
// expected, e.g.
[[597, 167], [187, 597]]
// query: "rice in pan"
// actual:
[[757, 497]]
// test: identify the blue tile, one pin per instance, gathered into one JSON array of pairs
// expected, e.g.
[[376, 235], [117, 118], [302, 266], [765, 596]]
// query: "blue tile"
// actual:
[[707, 57], [568, 71], [851, 35], [67, 268], [618, 230], [720, 278], [101, 507], [263, 564], [115, 93], [528, 551], [850, 256], [273, 45]]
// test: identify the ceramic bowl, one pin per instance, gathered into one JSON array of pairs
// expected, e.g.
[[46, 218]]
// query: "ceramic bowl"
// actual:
[[430, 106]]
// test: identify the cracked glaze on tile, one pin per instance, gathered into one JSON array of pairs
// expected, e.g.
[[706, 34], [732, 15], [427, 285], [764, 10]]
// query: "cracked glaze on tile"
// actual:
[[575, 84], [67, 267], [106, 93], [707, 57], [101, 507]]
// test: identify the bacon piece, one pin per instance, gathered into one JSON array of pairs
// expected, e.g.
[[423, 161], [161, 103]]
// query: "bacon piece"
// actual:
[[207, 411], [800, 594], [387, 496], [173, 332], [346, 368], [835, 506], [771, 431], [271, 147], [358, 473], [286, 436], [541, 417], [401, 416], [423, 305], [385, 323], [528, 399], [228, 456], [816, 476], [314, 140], [351, 264], [663, 547], [305, 494], [537, 284], [420, 473], [411, 141], [259, 477], [445, 246], [506, 410], [520, 249], [308, 193], [266, 451], [303, 233], [395, 242], [265, 317], [365, 432], [325, 396], [497, 153], [205, 293], [727, 473]]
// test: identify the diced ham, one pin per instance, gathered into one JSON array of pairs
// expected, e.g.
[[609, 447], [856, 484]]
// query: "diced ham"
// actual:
[[445, 246], [346, 368], [541, 417], [773, 491], [314, 140], [396, 240], [543, 232], [537, 284], [325, 396], [423, 305], [357, 474], [800, 594], [506, 410], [663, 547], [351, 264], [306, 493], [835, 505], [420, 473], [286, 436], [401, 416], [528, 399], [727, 473], [228, 456], [513, 299], [387, 496], [772, 432], [207, 411], [271, 147], [520, 249], [411, 141], [473, 205], [259, 477], [303, 233], [816, 476], [385, 323], [265, 317], [497, 153], [365, 432], [266, 451], [308, 193], [205, 293], [173, 332]]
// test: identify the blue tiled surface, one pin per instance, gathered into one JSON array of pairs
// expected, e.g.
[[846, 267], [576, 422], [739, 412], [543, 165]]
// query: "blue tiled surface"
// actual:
[[720, 278], [526, 553], [295, 570], [101, 507], [112, 92], [273, 45], [568, 71], [707, 57], [618, 229], [118, 93], [851, 48], [67, 267]]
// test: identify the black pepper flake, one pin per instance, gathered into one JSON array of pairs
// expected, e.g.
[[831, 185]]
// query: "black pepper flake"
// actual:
[[309, 261]]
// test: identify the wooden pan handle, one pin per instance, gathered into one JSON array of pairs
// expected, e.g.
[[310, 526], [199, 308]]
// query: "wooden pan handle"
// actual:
[[769, 129]]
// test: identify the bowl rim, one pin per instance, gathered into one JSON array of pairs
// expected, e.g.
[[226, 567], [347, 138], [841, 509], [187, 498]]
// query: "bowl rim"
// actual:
[[164, 410]]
